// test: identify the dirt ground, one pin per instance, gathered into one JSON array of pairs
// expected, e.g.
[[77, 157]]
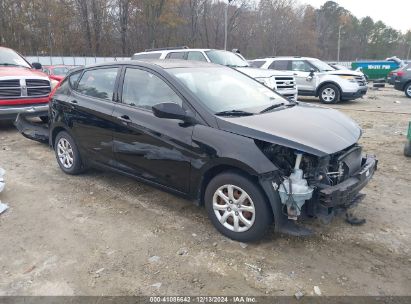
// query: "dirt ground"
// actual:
[[105, 234]]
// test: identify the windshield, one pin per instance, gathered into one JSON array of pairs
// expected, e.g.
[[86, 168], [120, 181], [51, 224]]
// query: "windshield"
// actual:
[[11, 58], [226, 58], [60, 71], [321, 65], [222, 89]]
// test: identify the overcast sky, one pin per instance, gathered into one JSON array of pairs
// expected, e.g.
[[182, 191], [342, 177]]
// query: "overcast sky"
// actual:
[[395, 13]]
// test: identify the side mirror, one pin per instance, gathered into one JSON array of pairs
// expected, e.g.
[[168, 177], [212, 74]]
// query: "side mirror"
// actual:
[[37, 65], [169, 110], [312, 71]]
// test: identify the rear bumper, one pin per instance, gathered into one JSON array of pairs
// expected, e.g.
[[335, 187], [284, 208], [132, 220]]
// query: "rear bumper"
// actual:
[[11, 112], [32, 130], [343, 194], [353, 95]]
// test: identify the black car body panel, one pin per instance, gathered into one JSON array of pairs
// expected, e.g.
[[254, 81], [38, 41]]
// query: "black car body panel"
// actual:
[[182, 156]]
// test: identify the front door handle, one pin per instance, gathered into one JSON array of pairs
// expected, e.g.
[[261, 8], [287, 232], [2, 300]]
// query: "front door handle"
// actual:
[[74, 101]]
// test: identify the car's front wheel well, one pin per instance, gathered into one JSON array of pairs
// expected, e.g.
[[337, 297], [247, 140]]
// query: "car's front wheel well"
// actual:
[[213, 172], [321, 86]]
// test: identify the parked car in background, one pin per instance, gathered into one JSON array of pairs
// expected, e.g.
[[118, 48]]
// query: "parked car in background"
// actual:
[[337, 66], [57, 72], [212, 135], [317, 78], [23, 86], [392, 76], [280, 81], [403, 80]]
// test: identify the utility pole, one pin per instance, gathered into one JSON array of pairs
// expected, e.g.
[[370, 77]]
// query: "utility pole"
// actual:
[[226, 24], [339, 43]]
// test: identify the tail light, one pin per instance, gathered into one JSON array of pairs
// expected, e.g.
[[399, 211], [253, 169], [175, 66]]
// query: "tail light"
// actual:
[[400, 73]]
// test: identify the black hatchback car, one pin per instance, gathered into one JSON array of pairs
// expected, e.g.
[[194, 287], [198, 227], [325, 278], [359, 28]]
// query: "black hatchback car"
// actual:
[[213, 135]]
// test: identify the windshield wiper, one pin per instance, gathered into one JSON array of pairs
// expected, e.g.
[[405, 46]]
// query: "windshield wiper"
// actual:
[[234, 113], [236, 66], [272, 107]]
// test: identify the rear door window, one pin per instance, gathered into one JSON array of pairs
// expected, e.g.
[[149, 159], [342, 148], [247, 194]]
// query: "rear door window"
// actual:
[[98, 83], [280, 65], [176, 55]]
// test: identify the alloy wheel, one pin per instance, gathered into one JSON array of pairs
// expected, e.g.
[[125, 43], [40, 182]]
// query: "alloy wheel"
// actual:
[[234, 208], [65, 153]]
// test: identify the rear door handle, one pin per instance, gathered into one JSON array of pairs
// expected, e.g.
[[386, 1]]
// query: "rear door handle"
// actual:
[[73, 101], [125, 118]]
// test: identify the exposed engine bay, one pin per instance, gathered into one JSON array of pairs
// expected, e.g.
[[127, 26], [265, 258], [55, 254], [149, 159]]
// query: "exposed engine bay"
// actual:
[[316, 186]]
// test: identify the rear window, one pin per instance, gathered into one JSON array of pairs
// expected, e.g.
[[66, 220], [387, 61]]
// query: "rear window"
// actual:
[[98, 83], [146, 56], [257, 63]]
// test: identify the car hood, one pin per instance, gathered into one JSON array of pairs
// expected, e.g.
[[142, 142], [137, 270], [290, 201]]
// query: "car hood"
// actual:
[[262, 73], [21, 72], [311, 129]]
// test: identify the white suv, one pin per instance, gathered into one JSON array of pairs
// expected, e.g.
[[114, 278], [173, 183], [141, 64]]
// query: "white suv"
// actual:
[[280, 81], [316, 78]]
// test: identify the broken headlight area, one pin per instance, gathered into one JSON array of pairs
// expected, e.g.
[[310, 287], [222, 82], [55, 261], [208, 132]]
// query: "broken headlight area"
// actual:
[[318, 186]]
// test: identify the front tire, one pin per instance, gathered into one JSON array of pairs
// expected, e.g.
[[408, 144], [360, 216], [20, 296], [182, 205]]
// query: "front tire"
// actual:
[[237, 207], [67, 154], [407, 90], [329, 94]]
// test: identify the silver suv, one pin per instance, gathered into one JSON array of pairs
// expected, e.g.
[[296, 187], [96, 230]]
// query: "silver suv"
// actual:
[[280, 81], [316, 78]]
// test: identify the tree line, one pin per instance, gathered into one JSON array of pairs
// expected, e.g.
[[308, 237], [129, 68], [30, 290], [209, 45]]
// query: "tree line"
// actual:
[[256, 28]]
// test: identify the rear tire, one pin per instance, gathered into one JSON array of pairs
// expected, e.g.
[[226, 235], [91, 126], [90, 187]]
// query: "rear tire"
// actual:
[[329, 94], [237, 207], [407, 149], [407, 90], [67, 154]]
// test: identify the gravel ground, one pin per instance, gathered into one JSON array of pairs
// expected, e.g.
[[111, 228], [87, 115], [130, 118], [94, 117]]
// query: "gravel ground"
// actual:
[[105, 234]]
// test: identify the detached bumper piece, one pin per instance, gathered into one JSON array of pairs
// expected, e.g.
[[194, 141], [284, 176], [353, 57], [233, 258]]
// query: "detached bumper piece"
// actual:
[[345, 194], [32, 130]]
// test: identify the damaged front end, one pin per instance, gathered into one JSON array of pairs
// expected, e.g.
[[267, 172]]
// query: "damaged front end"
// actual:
[[312, 186], [38, 131]]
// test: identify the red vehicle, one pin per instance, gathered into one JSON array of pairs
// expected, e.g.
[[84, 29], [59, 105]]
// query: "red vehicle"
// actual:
[[24, 88], [56, 72]]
